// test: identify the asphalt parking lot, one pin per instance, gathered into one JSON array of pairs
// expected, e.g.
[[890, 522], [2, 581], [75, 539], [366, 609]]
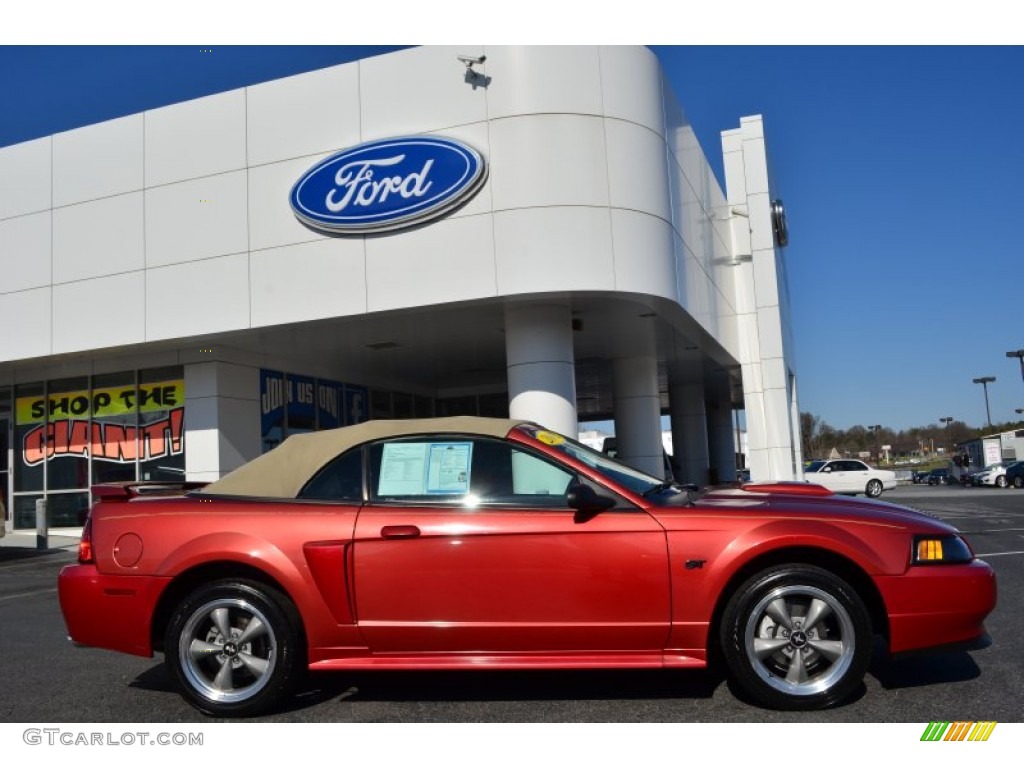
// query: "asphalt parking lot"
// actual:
[[44, 679]]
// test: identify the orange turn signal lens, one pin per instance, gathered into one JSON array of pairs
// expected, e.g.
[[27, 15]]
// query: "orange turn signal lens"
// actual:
[[940, 550], [929, 551]]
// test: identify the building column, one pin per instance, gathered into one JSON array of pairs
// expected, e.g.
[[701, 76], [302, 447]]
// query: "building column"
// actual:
[[222, 418], [689, 432], [721, 443], [541, 366], [637, 410]]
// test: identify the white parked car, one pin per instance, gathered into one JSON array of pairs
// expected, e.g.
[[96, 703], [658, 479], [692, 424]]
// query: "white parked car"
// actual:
[[993, 474], [850, 476]]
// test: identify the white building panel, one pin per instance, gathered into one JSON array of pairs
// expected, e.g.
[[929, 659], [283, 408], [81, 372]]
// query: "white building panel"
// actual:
[[546, 79], [98, 160], [271, 221], [25, 252], [309, 281], [637, 169], [631, 87], [100, 237], [312, 113], [26, 319], [196, 219], [554, 249], [195, 138], [547, 160], [448, 261], [26, 173], [197, 298], [420, 90], [98, 313], [644, 260]]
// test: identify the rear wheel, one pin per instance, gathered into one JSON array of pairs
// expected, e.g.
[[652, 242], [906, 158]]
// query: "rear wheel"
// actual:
[[796, 637], [1018, 482], [873, 489], [233, 648], [1001, 481]]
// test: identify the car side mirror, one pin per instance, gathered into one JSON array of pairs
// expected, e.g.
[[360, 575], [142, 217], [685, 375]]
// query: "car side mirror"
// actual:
[[586, 501]]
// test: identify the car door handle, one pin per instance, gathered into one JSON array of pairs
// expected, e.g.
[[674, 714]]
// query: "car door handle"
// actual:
[[399, 532]]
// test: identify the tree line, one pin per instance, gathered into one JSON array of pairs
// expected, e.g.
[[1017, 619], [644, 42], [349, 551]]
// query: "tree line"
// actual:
[[819, 438]]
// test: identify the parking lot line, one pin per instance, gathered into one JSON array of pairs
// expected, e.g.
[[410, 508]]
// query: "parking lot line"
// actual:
[[1000, 554], [28, 594]]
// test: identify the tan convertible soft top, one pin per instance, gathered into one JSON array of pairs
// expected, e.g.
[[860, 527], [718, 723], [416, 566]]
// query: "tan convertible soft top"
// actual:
[[283, 472]]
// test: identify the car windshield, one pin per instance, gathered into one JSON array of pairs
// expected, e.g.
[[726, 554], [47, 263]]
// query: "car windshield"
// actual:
[[814, 466], [633, 479]]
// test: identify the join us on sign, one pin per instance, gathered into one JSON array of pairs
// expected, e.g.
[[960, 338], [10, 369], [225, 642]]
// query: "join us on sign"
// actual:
[[387, 185]]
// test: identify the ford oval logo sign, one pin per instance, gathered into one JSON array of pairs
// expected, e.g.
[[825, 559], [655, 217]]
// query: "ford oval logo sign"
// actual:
[[387, 185]]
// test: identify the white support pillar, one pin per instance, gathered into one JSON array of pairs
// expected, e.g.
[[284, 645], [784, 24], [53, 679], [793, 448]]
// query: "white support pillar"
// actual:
[[222, 418], [541, 366], [638, 413], [689, 432], [721, 443]]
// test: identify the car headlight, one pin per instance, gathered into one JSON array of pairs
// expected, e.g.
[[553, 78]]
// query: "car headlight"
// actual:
[[940, 550]]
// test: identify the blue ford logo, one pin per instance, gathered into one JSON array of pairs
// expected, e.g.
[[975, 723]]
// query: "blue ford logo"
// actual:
[[387, 185]]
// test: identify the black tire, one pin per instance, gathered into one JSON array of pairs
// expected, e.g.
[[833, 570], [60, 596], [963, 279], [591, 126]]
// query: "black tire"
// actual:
[[873, 489], [219, 675], [1018, 482], [809, 665], [1001, 481]]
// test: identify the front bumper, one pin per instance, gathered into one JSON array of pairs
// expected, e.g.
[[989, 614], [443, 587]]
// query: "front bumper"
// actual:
[[938, 605], [112, 612]]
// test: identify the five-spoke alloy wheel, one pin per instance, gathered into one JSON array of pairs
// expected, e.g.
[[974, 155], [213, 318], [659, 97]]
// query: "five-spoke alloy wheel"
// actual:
[[232, 646], [873, 489], [796, 637]]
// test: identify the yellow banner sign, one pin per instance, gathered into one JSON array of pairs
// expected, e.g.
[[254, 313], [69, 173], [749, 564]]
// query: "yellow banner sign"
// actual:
[[97, 403]]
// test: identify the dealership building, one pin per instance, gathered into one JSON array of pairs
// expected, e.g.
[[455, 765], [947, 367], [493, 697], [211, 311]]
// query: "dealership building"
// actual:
[[502, 231]]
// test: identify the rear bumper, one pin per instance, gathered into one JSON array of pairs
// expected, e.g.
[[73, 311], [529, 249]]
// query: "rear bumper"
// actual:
[[112, 612], [939, 605]]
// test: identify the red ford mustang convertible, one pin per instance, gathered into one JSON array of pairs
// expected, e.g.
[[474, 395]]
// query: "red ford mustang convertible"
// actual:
[[486, 543]]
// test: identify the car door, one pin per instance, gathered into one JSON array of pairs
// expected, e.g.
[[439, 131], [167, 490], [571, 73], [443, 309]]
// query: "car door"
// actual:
[[468, 545]]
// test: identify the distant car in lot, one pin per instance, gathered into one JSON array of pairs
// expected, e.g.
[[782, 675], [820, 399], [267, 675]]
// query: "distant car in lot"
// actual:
[[1015, 475], [919, 477], [993, 474], [470, 543], [850, 476], [939, 476]]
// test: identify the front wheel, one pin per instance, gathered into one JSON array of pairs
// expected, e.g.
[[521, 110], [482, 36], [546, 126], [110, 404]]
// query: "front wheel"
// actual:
[[233, 648], [1018, 482], [873, 489], [1001, 481], [796, 637]]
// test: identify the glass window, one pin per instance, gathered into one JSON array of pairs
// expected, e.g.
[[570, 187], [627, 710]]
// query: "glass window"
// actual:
[[113, 438], [30, 443], [468, 471], [339, 480], [68, 406], [161, 433], [272, 402], [301, 404]]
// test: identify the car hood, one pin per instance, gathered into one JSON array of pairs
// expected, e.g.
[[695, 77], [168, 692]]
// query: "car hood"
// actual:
[[808, 500]]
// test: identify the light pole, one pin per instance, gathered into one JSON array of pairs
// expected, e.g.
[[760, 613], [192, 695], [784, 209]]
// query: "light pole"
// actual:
[[985, 381], [1019, 354], [874, 428], [947, 420]]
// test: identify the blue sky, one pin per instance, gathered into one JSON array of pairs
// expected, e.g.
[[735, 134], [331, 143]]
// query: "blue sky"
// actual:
[[900, 168]]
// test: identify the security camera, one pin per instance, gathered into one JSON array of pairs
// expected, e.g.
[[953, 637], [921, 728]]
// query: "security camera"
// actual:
[[469, 61]]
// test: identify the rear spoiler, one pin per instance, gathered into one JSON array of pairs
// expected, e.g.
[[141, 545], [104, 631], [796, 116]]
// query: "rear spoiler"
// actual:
[[128, 490]]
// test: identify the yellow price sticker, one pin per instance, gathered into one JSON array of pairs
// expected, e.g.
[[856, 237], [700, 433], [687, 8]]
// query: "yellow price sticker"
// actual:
[[550, 438]]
